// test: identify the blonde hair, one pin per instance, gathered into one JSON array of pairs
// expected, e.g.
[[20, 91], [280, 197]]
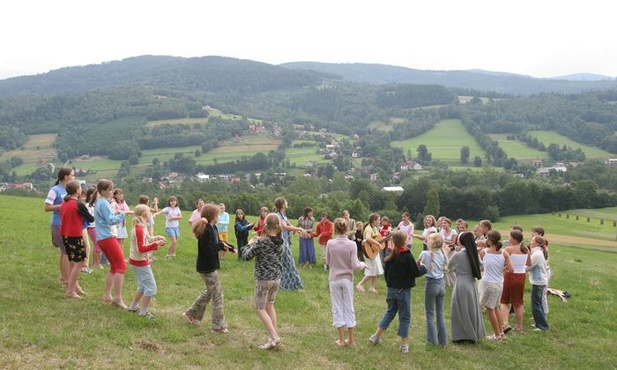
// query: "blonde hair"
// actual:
[[272, 225], [139, 213], [340, 226], [435, 244]]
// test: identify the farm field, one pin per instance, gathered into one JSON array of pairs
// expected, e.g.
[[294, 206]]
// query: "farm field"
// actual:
[[548, 137], [518, 150], [301, 156], [37, 147], [199, 120], [37, 333], [444, 141]]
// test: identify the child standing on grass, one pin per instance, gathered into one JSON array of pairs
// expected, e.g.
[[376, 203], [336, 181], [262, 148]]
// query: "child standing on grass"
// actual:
[[172, 226], [539, 230], [73, 213], [141, 243], [324, 231], [342, 257], [120, 205], [96, 250], [538, 277], [84, 232], [358, 238], [494, 260], [374, 267], [434, 290], [207, 265], [401, 272], [268, 254], [106, 219], [241, 229]]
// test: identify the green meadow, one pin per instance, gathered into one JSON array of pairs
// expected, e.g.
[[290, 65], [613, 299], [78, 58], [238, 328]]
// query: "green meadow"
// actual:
[[444, 141], [37, 148], [41, 329], [548, 137], [518, 150]]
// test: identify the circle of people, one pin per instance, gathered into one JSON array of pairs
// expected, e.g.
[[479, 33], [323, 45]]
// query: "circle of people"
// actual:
[[482, 272]]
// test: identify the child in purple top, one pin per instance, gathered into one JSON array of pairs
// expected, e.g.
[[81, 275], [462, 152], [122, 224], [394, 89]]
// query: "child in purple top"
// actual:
[[342, 257]]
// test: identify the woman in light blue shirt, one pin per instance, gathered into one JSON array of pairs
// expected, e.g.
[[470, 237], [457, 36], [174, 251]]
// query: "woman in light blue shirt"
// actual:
[[435, 289]]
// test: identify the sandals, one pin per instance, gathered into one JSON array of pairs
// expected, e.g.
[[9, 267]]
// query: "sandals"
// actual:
[[221, 330], [271, 343], [507, 329]]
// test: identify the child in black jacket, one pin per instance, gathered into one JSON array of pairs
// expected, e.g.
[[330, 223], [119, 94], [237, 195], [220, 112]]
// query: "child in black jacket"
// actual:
[[401, 272]]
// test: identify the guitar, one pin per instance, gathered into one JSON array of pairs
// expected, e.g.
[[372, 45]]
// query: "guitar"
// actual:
[[370, 250]]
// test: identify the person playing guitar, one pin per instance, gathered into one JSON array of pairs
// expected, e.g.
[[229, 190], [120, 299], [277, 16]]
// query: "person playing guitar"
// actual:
[[372, 246]]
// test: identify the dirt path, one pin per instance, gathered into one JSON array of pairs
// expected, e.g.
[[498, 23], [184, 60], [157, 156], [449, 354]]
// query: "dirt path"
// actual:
[[566, 239]]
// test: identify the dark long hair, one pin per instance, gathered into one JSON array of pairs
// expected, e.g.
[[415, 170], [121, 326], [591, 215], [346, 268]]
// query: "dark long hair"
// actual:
[[467, 240], [62, 173]]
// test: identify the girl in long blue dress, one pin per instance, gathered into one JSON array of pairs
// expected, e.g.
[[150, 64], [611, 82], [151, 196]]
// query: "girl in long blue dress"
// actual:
[[291, 279]]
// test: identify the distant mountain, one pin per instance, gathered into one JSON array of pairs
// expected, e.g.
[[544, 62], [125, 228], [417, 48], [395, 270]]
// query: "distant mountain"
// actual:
[[585, 77], [223, 75], [500, 82], [210, 74]]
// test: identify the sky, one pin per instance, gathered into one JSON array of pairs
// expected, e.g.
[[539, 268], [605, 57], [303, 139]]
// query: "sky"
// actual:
[[539, 38]]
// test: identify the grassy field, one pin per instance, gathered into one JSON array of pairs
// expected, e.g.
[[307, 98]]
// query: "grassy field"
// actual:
[[548, 137], [519, 150], [192, 121], [37, 147], [40, 329], [444, 141]]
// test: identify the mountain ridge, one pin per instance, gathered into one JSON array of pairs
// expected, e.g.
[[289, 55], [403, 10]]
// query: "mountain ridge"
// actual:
[[225, 73]]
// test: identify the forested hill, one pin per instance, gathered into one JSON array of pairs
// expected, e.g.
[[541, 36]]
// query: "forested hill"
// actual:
[[229, 75], [503, 83], [211, 74]]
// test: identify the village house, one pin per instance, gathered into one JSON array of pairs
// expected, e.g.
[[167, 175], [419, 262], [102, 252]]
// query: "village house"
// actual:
[[537, 162], [610, 161], [410, 165], [558, 167], [10, 186]]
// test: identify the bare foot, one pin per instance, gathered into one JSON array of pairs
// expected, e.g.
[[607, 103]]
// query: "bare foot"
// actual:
[[360, 288], [119, 303], [339, 343], [73, 295], [190, 319], [106, 299], [372, 290]]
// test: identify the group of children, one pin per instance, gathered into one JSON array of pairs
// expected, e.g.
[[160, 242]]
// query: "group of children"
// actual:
[[100, 215], [340, 253]]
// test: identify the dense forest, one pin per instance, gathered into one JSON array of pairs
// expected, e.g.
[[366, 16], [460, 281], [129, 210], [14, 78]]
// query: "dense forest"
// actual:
[[104, 110]]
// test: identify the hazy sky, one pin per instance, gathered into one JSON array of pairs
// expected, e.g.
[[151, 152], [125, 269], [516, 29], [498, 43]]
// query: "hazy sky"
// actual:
[[540, 38]]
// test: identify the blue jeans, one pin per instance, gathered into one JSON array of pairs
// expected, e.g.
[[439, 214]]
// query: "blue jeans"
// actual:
[[537, 309], [434, 300], [398, 300]]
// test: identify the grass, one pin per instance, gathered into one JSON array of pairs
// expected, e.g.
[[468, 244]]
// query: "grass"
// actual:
[[444, 141], [37, 147], [548, 137], [519, 150], [40, 329]]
